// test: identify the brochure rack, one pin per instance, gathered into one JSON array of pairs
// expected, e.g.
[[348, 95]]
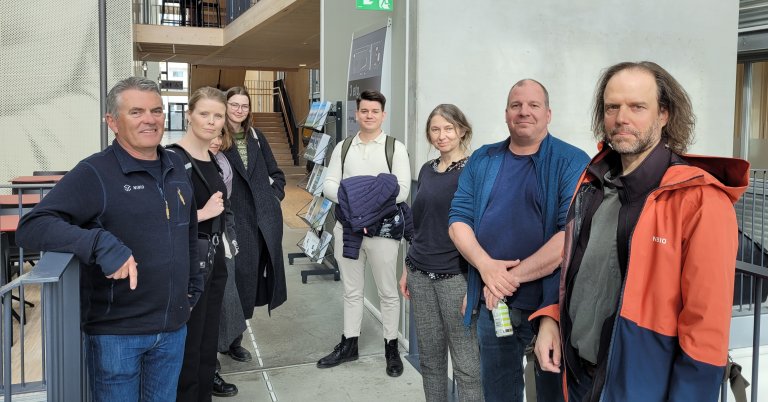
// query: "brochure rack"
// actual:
[[317, 244]]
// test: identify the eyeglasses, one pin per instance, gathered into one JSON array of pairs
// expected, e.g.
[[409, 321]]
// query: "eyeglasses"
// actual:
[[238, 106]]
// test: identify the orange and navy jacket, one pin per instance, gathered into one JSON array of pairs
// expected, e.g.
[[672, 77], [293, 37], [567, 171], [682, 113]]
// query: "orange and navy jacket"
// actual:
[[669, 339]]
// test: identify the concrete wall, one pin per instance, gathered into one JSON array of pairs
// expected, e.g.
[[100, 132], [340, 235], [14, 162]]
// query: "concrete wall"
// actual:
[[49, 81], [470, 55]]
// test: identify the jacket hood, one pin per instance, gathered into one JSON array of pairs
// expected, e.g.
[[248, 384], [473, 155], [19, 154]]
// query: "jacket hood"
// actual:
[[731, 175]]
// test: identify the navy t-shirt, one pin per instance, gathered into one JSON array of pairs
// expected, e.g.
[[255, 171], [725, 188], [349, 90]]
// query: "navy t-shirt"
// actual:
[[154, 167], [512, 226]]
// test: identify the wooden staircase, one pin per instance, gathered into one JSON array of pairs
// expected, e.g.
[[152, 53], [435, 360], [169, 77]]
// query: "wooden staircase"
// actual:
[[271, 124]]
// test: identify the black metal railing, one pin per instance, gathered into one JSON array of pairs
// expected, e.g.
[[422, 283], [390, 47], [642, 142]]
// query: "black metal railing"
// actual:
[[190, 13], [283, 105], [750, 287], [236, 8], [61, 356], [193, 13], [41, 350]]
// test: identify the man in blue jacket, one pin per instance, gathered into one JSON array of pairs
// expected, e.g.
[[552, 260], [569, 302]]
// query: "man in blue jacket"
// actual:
[[129, 215], [507, 219]]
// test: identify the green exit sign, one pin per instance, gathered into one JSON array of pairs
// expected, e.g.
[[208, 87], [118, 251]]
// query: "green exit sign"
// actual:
[[379, 5]]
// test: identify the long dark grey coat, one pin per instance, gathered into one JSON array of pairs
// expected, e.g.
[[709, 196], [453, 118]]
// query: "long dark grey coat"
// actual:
[[256, 205]]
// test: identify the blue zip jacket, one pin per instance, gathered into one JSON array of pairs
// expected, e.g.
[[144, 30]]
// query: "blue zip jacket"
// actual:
[[558, 167], [107, 209]]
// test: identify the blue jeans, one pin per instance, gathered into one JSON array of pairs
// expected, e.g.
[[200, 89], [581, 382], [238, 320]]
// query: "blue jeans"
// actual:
[[135, 367], [501, 362]]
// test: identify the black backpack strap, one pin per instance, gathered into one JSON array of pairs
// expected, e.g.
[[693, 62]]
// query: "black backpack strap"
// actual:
[[344, 150], [390, 151], [193, 166]]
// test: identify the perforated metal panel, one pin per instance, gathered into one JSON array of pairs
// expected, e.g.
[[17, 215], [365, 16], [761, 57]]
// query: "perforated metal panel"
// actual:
[[49, 81]]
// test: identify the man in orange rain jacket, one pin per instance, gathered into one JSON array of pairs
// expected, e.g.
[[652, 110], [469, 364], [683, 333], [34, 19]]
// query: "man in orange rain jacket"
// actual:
[[649, 257]]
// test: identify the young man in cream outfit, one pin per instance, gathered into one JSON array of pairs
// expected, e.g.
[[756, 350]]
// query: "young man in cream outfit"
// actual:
[[367, 156]]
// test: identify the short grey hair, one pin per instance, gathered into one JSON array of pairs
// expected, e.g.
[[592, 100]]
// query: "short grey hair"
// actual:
[[137, 83]]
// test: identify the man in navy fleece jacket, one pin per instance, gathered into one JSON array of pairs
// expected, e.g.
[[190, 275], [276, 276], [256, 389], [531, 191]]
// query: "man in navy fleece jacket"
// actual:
[[129, 215]]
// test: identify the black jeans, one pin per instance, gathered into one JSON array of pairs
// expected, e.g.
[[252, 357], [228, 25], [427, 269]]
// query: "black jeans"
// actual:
[[197, 371]]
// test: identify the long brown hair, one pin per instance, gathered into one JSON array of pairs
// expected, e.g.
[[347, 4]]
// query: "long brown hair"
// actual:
[[228, 139], [678, 132]]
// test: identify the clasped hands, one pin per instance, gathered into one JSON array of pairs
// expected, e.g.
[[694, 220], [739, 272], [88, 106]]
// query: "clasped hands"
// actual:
[[500, 280]]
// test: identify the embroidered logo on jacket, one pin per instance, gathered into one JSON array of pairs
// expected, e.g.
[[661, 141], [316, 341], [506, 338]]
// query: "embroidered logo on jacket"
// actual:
[[128, 187]]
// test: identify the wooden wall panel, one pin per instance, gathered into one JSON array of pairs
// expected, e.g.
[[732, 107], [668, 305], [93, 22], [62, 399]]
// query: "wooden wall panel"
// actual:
[[297, 85], [214, 77]]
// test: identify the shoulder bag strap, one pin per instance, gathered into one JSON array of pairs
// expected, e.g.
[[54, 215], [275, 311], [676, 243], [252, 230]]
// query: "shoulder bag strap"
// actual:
[[217, 221]]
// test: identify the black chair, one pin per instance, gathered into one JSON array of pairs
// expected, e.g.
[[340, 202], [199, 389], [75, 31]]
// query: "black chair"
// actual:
[[182, 5]]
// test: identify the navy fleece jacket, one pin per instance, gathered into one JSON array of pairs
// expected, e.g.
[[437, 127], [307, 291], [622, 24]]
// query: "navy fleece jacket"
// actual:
[[107, 209]]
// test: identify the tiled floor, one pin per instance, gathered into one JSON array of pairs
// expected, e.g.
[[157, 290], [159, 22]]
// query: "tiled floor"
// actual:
[[287, 344]]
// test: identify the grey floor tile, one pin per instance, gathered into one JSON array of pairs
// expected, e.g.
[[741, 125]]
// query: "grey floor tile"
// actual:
[[301, 331], [361, 381]]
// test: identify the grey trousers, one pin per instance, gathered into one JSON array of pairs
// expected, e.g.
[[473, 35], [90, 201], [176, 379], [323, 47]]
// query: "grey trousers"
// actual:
[[436, 309]]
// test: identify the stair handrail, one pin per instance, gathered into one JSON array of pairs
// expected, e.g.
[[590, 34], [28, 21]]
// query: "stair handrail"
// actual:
[[289, 120], [62, 357]]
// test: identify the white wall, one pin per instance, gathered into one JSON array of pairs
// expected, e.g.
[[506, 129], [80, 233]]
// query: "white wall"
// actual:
[[49, 81], [470, 53]]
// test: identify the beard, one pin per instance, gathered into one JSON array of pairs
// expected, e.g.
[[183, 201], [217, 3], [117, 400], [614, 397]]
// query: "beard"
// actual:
[[643, 140]]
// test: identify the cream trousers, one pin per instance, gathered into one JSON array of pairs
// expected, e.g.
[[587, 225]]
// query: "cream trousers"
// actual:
[[381, 255]]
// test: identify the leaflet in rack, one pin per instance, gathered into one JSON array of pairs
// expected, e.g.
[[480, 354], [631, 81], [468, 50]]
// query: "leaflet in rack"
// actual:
[[315, 247], [317, 146], [316, 180], [318, 210], [318, 113]]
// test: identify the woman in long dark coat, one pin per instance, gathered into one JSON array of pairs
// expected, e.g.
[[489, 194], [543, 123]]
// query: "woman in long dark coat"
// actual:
[[257, 189]]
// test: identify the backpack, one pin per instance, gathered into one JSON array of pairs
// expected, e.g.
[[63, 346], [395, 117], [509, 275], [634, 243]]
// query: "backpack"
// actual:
[[389, 149]]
